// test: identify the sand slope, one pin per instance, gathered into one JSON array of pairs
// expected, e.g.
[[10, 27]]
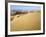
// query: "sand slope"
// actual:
[[30, 21]]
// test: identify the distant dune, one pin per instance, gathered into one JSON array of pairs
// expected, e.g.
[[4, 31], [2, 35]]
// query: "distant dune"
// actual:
[[26, 22]]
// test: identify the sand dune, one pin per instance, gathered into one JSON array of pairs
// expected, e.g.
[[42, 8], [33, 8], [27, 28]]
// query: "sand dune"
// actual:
[[26, 22]]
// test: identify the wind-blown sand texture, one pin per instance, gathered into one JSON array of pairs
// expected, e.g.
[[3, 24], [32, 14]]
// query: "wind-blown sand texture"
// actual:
[[26, 22]]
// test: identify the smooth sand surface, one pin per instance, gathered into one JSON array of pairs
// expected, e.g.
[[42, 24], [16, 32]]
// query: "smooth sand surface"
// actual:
[[26, 22]]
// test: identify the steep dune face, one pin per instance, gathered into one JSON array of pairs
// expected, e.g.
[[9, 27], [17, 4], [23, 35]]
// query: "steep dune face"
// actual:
[[26, 22]]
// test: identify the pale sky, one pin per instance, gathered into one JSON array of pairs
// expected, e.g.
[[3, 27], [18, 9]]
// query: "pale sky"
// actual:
[[20, 7]]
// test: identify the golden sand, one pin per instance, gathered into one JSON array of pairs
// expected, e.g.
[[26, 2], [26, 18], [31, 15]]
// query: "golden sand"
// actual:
[[26, 22]]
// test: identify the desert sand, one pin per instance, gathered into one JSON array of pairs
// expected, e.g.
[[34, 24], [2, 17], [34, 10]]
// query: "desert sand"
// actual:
[[26, 22]]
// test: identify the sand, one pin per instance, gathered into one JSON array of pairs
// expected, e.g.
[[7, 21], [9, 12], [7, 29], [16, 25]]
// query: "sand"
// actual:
[[26, 22]]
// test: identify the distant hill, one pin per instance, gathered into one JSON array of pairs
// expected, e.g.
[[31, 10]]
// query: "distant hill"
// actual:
[[15, 12]]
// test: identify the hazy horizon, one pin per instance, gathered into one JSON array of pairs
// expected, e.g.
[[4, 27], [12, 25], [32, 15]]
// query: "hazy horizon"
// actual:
[[20, 7]]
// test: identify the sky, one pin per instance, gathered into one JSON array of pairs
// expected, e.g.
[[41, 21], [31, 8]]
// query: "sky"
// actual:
[[20, 7]]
